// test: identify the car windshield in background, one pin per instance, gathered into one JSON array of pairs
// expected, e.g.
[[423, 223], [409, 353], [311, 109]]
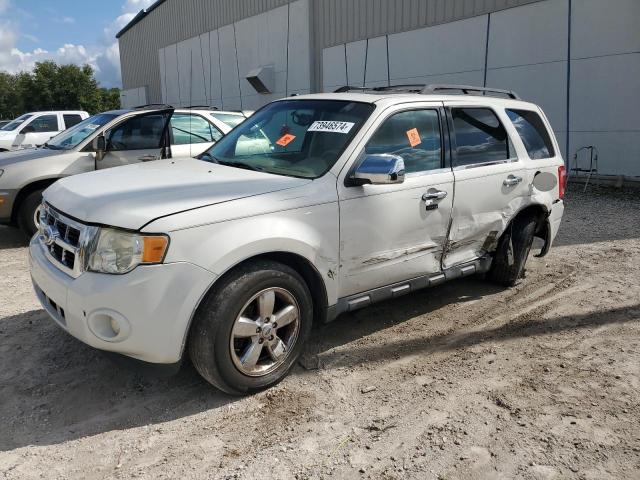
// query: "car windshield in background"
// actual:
[[298, 138], [16, 123], [231, 120], [73, 136]]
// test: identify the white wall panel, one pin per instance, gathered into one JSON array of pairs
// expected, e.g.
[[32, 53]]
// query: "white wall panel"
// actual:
[[163, 72], [605, 94], [544, 84], [377, 67], [529, 34], [451, 48], [619, 151], [299, 80], [334, 68], [215, 89], [133, 97], [604, 27], [229, 68], [356, 56], [171, 75]]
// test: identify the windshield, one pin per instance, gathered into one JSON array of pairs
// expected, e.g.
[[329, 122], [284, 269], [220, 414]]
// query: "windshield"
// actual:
[[299, 138], [13, 124], [75, 135]]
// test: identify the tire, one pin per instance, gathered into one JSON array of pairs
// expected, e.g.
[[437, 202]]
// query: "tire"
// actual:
[[509, 261], [219, 342], [27, 211]]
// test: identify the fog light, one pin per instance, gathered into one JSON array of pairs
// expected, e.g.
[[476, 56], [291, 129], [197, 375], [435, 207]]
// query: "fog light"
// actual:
[[114, 326], [108, 325]]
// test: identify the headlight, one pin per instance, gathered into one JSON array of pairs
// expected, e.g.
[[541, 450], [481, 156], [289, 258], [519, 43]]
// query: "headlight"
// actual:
[[117, 251]]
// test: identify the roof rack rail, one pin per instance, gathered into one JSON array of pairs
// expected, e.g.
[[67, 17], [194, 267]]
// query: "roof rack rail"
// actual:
[[203, 107], [430, 89], [469, 90], [153, 105]]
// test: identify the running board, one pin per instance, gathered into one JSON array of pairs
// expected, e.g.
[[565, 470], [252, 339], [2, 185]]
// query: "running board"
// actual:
[[364, 299]]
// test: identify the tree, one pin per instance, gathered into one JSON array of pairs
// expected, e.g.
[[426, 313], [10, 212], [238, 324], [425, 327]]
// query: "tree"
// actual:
[[54, 87]]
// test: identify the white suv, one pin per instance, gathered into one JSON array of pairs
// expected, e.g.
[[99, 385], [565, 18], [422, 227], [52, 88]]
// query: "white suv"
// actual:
[[35, 128], [314, 206]]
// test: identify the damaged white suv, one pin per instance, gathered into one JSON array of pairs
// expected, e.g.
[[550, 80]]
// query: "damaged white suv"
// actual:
[[314, 206]]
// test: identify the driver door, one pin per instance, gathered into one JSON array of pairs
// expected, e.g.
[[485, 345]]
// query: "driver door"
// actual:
[[392, 233], [38, 131], [141, 138]]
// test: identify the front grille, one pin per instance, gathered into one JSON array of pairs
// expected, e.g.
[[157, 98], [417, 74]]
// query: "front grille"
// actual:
[[62, 240]]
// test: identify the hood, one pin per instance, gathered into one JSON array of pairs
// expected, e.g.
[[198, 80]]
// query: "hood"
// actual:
[[7, 158], [133, 195]]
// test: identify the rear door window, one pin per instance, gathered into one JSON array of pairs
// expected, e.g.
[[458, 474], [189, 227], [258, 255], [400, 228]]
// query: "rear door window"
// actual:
[[187, 129], [71, 119], [480, 137], [533, 133], [44, 124]]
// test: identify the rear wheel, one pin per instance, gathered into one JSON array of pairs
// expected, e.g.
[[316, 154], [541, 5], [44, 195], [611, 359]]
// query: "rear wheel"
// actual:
[[513, 250], [251, 328], [28, 213]]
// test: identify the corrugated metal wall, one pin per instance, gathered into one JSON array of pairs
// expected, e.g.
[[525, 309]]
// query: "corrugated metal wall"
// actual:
[[334, 22]]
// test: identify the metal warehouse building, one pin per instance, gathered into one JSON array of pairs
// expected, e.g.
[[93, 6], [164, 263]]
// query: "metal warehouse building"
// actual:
[[578, 59]]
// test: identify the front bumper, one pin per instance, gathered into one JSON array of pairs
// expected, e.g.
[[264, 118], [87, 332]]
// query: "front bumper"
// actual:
[[152, 305], [7, 197]]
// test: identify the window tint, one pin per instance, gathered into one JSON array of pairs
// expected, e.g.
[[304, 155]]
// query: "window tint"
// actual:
[[480, 137], [71, 119], [45, 123], [138, 133], [533, 133], [187, 129], [413, 135]]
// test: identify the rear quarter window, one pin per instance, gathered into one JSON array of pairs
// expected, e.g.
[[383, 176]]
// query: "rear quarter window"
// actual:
[[533, 133]]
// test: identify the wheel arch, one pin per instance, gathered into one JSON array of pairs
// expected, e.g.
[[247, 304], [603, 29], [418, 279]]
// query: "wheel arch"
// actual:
[[27, 189], [537, 210]]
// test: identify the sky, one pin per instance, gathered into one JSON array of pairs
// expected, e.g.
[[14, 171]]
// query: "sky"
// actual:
[[66, 31]]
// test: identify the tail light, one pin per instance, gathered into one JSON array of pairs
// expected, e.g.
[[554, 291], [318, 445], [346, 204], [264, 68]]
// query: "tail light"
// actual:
[[562, 181]]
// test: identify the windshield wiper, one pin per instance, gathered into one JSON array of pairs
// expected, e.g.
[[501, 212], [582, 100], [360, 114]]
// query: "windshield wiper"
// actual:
[[243, 165], [50, 147]]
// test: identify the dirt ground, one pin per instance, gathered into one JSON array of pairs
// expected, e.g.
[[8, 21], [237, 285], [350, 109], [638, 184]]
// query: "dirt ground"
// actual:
[[462, 381]]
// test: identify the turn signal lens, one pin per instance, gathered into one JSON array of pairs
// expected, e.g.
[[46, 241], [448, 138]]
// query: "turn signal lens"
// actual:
[[154, 248]]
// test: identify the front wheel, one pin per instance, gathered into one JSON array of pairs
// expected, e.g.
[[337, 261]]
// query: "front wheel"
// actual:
[[28, 213], [250, 329]]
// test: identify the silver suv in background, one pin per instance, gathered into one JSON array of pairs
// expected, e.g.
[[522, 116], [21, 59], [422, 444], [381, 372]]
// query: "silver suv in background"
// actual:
[[108, 139], [35, 128]]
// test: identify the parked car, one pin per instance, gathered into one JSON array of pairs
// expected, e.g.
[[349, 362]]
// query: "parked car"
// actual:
[[360, 197], [3, 123], [126, 136], [35, 128]]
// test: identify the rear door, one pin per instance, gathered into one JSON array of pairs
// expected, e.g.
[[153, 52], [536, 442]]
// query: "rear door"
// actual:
[[192, 134], [490, 180], [141, 138]]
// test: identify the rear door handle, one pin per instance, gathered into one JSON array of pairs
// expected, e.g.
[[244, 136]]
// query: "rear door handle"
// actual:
[[148, 158], [511, 180]]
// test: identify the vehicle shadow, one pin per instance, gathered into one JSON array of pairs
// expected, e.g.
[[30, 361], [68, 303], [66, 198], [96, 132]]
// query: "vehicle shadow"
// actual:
[[56, 389], [11, 237]]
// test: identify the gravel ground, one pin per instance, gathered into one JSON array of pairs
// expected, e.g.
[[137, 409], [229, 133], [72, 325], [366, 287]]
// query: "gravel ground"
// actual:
[[465, 380]]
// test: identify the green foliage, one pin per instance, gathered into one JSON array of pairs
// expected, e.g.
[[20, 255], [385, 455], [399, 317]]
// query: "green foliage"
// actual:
[[54, 87]]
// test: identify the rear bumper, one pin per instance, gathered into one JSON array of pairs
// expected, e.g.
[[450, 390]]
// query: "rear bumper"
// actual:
[[551, 227]]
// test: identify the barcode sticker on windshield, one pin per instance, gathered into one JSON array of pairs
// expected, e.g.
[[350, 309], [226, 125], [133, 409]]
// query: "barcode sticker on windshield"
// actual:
[[91, 126], [330, 126]]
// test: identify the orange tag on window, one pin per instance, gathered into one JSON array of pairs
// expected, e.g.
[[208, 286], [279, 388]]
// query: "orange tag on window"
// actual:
[[414, 137], [285, 140]]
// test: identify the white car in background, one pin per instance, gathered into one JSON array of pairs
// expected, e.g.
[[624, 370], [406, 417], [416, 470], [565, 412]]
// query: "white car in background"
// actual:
[[35, 128], [105, 140]]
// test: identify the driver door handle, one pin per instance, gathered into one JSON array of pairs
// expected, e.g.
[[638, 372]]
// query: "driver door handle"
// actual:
[[437, 195], [148, 158], [511, 180]]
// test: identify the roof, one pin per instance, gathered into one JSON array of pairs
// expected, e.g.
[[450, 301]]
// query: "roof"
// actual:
[[140, 16]]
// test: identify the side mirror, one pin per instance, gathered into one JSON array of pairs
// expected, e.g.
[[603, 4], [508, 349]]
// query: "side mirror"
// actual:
[[379, 169], [99, 145]]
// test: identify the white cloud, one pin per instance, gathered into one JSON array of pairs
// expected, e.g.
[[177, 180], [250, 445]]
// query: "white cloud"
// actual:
[[103, 56]]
